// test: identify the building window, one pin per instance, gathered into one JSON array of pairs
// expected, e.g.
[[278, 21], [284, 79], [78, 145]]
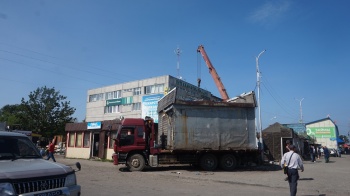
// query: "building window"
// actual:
[[86, 139], [137, 91], [96, 97], [112, 109], [113, 95], [157, 88], [136, 106], [71, 139], [111, 139], [79, 139]]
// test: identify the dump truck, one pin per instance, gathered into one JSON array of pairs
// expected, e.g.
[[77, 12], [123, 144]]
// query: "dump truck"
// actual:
[[201, 133]]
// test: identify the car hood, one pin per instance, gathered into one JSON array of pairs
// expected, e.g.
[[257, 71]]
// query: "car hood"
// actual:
[[28, 168]]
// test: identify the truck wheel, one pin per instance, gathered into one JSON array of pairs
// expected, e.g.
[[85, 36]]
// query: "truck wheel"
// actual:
[[228, 162], [208, 162], [136, 162]]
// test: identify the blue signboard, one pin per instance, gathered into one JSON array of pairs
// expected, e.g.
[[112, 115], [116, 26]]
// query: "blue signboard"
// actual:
[[94, 125], [149, 106], [298, 128]]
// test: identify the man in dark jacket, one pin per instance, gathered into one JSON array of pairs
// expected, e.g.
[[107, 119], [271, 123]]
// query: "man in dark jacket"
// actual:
[[313, 153], [326, 154]]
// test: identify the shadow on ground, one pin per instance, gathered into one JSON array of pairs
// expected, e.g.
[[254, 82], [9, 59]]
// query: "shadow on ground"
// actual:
[[267, 167]]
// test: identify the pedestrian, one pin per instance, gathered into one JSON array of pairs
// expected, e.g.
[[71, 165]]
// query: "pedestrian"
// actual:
[[326, 154], [312, 153], [318, 152], [52, 150], [339, 152], [42, 151], [288, 143], [294, 163]]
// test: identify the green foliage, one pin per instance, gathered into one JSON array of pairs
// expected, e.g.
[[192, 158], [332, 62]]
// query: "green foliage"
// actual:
[[45, 112], [9, 114]]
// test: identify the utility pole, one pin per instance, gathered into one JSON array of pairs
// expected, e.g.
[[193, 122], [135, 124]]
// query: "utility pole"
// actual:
[[259, 107], [178, 52], [301, 110]]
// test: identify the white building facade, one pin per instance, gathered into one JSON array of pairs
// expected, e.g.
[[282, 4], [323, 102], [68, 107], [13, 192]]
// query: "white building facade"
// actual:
[[325, 131], [134, 99]]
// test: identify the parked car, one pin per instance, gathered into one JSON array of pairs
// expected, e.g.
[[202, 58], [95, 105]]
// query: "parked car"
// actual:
[[23, 171]]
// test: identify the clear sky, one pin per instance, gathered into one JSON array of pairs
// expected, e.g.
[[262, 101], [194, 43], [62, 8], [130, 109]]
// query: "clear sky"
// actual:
[[78, 45]]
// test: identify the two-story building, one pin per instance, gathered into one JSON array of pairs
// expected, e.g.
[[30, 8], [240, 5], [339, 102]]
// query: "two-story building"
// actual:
[[106, 105]]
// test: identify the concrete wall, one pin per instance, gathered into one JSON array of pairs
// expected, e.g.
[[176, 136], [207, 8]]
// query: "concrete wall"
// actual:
[[82, 153]]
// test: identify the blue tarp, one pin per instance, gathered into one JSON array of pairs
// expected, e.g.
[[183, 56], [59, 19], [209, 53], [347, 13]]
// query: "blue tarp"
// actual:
[[340, 140]]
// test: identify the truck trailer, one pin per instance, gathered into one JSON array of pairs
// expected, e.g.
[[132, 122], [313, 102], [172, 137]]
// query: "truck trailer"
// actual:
[[201, 133]]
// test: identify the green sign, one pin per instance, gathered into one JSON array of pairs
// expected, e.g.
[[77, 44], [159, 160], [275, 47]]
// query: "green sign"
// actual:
[[120, 101], [321, 132], [112, 102]]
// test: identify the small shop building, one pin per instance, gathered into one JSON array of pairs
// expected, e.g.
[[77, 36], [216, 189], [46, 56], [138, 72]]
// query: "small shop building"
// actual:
[[275, 137], [91, 140]]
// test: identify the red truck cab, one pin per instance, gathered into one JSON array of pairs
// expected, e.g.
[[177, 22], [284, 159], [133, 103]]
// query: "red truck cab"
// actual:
[[134, 143]]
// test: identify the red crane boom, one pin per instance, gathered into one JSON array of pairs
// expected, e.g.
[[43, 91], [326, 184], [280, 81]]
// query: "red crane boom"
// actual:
[[213, 73]]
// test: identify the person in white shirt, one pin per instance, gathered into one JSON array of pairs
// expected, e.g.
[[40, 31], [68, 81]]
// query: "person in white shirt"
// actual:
[[293, 162]]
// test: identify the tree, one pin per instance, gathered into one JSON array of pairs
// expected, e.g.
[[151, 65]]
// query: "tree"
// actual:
[[344, 138], [46, 112], [10, 115]]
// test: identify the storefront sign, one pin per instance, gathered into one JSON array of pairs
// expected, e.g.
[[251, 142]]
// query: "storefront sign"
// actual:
[[321, 132], [112, 102], [94, 125], [120, 101]]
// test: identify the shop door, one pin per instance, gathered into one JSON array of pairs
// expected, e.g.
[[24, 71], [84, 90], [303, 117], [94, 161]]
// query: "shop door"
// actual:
[[96, 142], [104, 145]]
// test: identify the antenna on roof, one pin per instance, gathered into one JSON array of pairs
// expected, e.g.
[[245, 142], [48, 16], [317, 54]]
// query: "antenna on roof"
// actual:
[[178, 52]]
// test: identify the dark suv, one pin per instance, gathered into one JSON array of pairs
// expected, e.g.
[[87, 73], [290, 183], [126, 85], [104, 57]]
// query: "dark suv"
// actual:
[[23, 171]]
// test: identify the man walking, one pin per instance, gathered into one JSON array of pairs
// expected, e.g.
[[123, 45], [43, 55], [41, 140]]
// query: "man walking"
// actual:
[[293, 162], [326, 154], [313, 153], [52, 150]]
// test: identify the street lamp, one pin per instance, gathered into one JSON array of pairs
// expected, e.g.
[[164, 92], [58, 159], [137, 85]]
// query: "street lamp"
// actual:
[[301, 110], [259, 108]]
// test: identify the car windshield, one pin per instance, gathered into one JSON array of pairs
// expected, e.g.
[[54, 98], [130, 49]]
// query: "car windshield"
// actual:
[[12, 148]]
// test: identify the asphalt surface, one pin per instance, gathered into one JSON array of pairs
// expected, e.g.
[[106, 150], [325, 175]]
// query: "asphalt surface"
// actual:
[[103, 178]]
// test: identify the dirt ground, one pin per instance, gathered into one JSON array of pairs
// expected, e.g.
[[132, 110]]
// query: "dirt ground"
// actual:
[[104, 178]]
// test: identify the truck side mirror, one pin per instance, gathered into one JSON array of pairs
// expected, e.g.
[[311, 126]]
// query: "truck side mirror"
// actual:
[[77, 164]]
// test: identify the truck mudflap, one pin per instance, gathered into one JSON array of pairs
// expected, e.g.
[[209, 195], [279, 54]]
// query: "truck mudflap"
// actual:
[[115, 159]]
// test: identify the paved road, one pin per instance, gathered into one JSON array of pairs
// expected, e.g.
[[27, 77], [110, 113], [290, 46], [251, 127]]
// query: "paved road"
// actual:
[[104, 178]]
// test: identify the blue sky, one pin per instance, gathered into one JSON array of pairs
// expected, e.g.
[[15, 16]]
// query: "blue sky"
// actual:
[[78, 45]]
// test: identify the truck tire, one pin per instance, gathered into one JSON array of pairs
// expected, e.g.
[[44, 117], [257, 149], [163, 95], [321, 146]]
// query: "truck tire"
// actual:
[[136, 162], [208, 162], [228, 162]]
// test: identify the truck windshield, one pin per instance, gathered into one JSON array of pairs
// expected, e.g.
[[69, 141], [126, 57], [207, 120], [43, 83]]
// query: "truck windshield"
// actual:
[[127, 136], [12, 148]]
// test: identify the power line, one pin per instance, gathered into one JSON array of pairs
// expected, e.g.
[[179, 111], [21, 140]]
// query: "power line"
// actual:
[[69, 67]]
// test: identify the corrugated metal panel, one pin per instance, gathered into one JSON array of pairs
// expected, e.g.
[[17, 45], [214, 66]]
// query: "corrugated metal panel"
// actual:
[[208, 127]]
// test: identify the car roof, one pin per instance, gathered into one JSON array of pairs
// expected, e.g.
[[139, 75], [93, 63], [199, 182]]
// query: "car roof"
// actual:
[[5, 133]]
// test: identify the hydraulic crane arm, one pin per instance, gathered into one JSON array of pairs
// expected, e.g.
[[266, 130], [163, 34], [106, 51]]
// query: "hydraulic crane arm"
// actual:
[[213, 73]]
